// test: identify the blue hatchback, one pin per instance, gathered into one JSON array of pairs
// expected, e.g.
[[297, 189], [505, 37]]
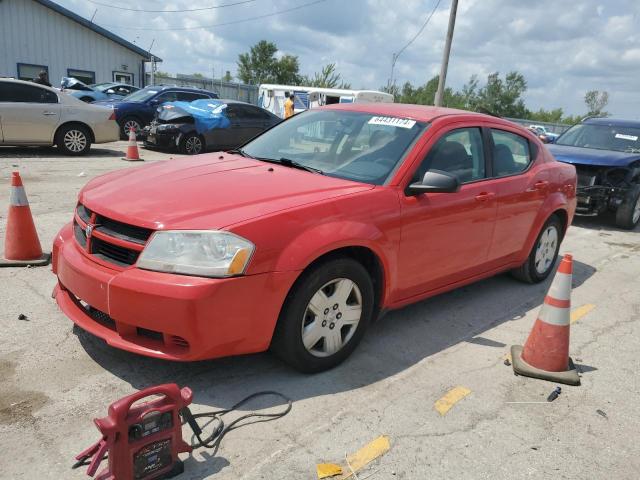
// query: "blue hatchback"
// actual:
[[136, 111], [606, 154]]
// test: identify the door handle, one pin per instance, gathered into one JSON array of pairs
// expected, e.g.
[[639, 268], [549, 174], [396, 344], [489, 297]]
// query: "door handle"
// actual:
[[539, 185], [484, 196], [49, 113]]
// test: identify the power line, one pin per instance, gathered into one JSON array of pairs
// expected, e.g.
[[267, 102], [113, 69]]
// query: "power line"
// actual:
[[213, 7], [234, 22], [424, 25]]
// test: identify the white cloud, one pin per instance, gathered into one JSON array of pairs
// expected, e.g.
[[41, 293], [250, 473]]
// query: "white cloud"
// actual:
[[562, 48]]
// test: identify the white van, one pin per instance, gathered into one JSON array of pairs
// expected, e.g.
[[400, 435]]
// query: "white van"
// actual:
[[272, 97]]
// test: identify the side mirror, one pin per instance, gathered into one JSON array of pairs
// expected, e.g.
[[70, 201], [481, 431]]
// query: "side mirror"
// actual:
[[435, 181], [154, 103]]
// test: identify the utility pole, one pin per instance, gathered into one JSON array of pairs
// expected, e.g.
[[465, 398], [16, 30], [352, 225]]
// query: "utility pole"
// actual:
[[445, 57]]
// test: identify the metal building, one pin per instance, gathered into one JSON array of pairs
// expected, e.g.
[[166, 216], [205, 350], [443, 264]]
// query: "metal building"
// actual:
[[38, 35]]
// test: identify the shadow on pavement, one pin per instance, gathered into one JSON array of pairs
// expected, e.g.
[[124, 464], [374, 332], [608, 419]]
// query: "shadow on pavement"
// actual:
[[395, 343], [53, 152], [605, 222]]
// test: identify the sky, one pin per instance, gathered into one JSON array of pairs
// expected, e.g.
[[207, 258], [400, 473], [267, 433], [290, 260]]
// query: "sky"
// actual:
[[563, 47]]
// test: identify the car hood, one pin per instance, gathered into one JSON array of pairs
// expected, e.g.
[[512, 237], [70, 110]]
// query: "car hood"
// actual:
[[111, 102], [592, 156], [207, 191]]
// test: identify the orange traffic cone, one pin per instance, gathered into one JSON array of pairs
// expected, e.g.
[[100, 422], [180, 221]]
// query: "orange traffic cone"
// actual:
[[546, 352], [21, 243], [132, 148]]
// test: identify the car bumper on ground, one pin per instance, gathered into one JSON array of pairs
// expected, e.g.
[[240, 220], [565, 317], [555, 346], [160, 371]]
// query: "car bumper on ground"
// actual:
[[167, 316]]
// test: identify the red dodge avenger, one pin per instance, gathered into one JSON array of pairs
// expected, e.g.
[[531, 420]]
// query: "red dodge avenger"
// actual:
[[300, 239]]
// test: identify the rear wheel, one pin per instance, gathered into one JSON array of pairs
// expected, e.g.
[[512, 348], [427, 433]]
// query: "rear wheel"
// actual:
[[129, 123], [325, 315], [542, 257], [628, 213], [73, 140], [192, 144]]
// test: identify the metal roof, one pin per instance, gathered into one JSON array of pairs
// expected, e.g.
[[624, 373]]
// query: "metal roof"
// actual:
[[99, 30]]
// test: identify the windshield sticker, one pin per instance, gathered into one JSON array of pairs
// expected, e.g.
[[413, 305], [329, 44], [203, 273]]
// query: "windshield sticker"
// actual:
[[392, 122], [632, 138]]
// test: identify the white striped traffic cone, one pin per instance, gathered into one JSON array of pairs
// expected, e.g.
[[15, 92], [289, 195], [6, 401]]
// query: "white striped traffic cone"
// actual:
[[21, 243], [132, 148], [545, 354]]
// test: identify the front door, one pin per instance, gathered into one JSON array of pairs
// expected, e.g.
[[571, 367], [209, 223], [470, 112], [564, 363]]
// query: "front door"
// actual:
[[446, 236], [29, 114]]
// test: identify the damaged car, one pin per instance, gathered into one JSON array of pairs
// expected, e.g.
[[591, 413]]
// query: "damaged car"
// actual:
[[606, 155], [195, 127]]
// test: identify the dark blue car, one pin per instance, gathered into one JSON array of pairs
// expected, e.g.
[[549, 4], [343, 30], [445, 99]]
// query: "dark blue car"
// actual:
[[606, 154], [138, 109]]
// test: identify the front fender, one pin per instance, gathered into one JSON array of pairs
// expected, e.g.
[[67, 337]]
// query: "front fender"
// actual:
[[320, 240]]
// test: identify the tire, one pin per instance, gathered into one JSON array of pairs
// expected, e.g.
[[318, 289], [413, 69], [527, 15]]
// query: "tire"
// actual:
[[126, 124], [192, 144], [73, 140], [628, 213], [543, 255], [325, 284]]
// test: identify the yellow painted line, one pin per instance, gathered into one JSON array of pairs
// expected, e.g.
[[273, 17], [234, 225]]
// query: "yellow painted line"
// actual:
[[366, 455], [580, 312], [452, 397], [326, 470]]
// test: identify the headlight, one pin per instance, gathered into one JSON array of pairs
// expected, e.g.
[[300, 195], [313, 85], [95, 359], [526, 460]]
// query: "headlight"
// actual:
[[203, 253], [167, 127]]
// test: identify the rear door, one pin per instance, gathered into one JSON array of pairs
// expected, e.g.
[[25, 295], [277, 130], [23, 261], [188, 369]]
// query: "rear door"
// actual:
[[446, 236], [29, 114], [522, 187]]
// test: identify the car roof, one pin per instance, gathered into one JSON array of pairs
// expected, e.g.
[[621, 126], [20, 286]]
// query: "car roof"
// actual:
[[162, 88], [28, 82], [423, 113], [615, 122]]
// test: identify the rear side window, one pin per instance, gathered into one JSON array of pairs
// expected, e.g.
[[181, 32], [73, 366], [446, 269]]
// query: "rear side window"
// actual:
[[190, 97], [16, 92], [167, 97], [459, 152], [511, 153]]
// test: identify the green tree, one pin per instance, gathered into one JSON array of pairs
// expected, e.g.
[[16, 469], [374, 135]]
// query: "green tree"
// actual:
[[595, 102], [260, 65], [197, 75], [503, 97], [554, 116], [328, 77]]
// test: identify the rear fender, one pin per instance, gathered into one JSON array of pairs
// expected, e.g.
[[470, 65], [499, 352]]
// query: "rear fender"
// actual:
[[556, 201]]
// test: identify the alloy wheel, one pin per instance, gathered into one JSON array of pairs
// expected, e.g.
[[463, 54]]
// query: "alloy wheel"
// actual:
[[331, 317], [546, 249], [129, 125], [636, 211], [75, 141], [193, 145]]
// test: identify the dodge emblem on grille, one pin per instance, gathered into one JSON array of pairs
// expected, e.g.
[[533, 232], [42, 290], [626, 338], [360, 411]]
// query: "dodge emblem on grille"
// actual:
[[88, 230]]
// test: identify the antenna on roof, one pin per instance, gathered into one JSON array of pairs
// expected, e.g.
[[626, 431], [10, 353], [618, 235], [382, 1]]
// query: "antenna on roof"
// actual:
[[486, 111], [93, 16]]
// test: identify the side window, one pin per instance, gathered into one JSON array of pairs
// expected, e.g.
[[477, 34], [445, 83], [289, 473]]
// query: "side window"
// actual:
[[167, 97], [459, 152], [18, 93], [511, 153], [250, 113], [190, 97]]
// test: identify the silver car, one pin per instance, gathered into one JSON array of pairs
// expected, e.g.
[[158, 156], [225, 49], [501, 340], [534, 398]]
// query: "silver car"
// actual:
[[32, 114]]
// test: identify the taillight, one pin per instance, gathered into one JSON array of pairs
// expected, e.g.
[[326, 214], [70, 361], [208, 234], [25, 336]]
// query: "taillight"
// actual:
[[113, 115]]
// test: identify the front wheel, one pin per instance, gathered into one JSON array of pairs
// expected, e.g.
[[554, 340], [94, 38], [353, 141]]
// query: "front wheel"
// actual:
[[325, 315], [73, 140], [542, 257], [128, 124], [628, 213]]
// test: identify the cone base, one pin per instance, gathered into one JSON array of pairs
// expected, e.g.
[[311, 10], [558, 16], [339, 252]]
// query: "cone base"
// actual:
[[45, 259], [520, 367], [132, 159]]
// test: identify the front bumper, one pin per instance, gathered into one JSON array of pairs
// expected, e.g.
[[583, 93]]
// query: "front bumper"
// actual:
[[167, 316], [164, 140], [596, 199]]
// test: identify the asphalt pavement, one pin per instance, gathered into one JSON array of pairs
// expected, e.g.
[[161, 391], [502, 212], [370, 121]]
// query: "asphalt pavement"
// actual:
[[432, 376]]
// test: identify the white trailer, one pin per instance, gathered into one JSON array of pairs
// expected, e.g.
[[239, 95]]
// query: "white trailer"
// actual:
[[272, 97]]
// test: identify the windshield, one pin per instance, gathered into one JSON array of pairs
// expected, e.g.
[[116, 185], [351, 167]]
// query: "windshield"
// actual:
[[357, 146], [141, 95], [602, 137], [102, 86]]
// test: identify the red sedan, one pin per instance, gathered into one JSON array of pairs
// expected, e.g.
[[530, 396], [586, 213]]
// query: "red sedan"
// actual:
[[299, 240]]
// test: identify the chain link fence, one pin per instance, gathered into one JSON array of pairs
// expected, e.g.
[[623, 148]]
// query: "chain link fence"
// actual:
[[226, 90]]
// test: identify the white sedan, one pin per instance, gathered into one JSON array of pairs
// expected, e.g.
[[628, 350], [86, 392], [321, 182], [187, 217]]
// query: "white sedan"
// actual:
[[32, 114]]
